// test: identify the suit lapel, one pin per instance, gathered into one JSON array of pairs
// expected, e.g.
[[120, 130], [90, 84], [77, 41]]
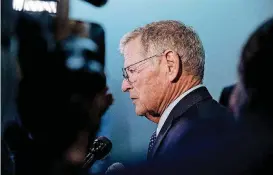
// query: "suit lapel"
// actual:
[[164, 130], [183, 105]]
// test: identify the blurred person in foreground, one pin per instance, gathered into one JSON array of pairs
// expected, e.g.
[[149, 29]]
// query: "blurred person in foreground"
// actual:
[[246, 149], [60, 107], [61, 99], [163, 72], [254, 97], [10, 76]]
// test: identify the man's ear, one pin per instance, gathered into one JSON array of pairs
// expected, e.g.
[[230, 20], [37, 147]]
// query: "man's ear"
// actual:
[[174, 66]]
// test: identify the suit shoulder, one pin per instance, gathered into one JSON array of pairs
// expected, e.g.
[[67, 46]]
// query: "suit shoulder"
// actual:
[[211, 109]]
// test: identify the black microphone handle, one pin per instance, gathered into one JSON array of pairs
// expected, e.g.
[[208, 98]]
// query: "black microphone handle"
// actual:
[[90, 161]]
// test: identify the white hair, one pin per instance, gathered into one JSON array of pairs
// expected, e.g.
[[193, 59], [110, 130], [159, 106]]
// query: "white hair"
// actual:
[[174, 35]]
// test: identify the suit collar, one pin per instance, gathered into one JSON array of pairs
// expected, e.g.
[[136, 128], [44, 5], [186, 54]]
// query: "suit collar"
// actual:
[[182, 106], [169, 109], [188, 101]]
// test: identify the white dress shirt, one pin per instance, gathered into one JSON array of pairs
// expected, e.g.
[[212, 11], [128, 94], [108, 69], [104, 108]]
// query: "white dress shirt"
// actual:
[[168, 110]]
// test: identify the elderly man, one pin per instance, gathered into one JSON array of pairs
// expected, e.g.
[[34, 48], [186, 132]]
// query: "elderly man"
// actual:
[[163, 73]]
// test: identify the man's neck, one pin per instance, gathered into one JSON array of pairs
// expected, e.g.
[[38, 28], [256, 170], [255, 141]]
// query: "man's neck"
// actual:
[[177, 89], [153, 118]]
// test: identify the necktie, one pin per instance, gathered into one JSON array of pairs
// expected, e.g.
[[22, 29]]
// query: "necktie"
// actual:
[[151, 144]]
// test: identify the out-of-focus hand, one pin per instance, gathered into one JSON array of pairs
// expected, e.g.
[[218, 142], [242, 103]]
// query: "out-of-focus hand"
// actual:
[[103, 101]]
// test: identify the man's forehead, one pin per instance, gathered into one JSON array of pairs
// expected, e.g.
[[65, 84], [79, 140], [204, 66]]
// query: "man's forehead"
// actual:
[[133, 52]]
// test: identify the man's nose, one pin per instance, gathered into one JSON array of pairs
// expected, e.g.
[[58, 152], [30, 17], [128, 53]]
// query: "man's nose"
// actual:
[[125, 86]]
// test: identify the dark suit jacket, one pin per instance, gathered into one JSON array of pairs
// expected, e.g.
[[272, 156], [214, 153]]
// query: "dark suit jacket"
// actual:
[[225, 95], [211, 143], [245, 149], [196, 117]]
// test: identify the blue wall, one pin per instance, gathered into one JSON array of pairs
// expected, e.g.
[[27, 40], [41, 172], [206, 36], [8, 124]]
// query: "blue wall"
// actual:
[[223, 26]]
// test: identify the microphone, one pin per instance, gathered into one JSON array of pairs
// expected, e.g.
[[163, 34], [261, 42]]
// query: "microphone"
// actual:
[[100, 149], [97, 3], [115, 167]]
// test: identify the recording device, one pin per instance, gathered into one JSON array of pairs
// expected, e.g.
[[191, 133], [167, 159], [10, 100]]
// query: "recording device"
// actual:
[[115, 167], [86, 52], [45, 5], [100, 149]]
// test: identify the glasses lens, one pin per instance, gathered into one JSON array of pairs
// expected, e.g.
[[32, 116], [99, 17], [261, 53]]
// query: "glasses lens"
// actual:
[[125, 74]]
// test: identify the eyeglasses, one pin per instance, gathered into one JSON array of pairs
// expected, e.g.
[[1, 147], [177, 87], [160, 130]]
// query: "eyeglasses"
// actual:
[[129, 70]]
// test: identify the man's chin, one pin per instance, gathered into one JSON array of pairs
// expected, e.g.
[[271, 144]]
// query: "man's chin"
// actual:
[[139, 112]]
